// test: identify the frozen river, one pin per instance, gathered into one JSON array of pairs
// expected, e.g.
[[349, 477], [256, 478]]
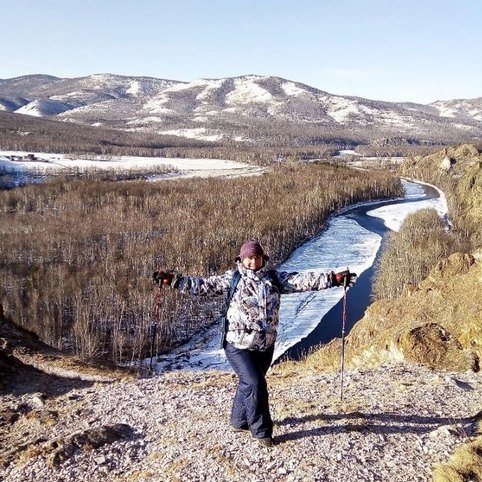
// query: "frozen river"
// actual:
[[351, 239]]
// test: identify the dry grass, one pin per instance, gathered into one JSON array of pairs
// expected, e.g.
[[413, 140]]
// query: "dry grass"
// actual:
[[464, 465], [462, 185]]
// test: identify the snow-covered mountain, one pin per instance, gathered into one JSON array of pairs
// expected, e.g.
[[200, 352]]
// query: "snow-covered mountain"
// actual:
[[239, 108], [460, 108]]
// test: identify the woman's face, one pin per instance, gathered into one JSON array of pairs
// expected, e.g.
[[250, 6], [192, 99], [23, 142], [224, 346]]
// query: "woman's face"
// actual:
[[253, 262]]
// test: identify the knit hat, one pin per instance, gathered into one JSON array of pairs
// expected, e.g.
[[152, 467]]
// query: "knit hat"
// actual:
[[251, 248]]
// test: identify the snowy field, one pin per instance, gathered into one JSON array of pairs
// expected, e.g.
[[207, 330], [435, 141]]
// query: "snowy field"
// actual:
[[57, 163]]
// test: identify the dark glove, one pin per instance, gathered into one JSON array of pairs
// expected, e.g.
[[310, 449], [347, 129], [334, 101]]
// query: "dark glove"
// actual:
[[344, 278], [163, 277]]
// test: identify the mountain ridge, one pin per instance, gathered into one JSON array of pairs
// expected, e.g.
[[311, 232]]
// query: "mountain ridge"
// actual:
[[243, 108]]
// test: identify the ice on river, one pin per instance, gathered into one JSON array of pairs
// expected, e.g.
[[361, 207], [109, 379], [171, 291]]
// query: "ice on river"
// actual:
[[344, 243], [393, 216]]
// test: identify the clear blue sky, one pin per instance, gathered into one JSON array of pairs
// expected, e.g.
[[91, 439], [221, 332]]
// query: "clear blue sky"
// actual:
[[417, 50]]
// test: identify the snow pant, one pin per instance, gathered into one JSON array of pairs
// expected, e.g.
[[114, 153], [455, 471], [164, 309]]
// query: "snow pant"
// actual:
[[250, 405]]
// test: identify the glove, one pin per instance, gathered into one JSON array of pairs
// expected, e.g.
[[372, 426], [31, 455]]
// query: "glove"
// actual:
[[163, 277], [344, 278]]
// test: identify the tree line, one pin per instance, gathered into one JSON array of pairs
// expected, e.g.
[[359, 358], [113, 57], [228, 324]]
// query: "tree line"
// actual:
[[264, 141]]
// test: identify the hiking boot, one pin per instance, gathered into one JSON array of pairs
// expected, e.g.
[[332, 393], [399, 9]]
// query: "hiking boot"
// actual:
[[244, 428], [266, 441]]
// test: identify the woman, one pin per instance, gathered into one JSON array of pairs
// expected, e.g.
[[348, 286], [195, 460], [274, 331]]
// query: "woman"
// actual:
[[251, 325]]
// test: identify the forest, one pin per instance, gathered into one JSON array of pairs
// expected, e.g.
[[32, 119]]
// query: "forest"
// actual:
[[77, 254]]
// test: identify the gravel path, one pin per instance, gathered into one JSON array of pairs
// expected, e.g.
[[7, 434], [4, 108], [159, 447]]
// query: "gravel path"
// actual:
[[395, 424]]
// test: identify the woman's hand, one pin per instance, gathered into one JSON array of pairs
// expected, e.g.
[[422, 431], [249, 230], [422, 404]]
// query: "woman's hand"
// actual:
[[344, 278], [163, 277]]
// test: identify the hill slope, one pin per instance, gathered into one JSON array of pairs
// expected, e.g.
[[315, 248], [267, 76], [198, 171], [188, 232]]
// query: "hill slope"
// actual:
[[439, 322], [458, 172], [395, 424], [246, 108]]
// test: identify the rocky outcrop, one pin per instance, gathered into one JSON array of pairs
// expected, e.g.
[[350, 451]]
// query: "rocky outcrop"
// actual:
[[458, 172]]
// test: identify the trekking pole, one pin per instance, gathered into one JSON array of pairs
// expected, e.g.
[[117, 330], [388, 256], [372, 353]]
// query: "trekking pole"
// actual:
[[157, 319], [343, 322]]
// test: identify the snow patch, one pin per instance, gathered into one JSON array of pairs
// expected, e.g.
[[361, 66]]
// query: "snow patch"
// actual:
[[33, 109], [447, 111], [476, 114], [135, 88], [56, 163], [209, 86], [348, 152], [196, 133], [247, 91], [179, 87], [155, 105], [291, 89], [340, 109]]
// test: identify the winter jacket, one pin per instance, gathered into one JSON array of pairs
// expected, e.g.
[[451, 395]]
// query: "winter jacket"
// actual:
[[253, 314]]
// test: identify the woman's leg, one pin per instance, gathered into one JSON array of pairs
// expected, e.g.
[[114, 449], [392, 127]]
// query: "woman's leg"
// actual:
[[251, 400]]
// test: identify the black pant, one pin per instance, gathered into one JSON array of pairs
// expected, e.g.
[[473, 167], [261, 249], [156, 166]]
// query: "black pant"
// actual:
[[250, 406]]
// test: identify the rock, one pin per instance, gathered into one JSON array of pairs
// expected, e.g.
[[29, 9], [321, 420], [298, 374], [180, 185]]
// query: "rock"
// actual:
[[447, 163], [100, 460], [88, 439], [38, 400], [435, 347], [462, 385], [9, 416]]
